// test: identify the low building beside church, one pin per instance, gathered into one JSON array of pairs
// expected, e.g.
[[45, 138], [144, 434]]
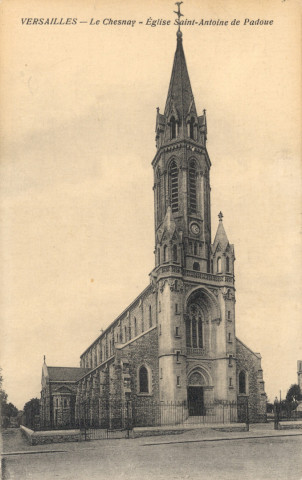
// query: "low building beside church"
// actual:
[[176, 342]]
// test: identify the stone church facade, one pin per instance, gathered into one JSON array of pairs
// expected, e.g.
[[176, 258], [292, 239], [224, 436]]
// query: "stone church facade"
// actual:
[[176, 342]]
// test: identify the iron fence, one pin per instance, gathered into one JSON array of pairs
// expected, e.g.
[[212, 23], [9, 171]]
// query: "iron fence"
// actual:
[[115, 416]]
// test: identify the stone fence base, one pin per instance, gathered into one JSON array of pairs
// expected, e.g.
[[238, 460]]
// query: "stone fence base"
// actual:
[[290, 425], [51, 436]]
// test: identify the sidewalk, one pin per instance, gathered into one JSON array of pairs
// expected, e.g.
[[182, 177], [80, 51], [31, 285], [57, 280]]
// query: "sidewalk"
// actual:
[[14, 443], [211, 434]]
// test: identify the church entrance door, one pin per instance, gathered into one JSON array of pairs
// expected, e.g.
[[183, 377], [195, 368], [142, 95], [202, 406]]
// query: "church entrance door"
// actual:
[[195, 401]]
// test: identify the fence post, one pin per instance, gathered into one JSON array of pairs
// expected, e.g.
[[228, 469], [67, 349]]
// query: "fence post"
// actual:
[[247, 415], [276, 415]]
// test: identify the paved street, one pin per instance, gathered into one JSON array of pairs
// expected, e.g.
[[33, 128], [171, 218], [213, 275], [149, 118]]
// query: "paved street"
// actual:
[[189, 456]]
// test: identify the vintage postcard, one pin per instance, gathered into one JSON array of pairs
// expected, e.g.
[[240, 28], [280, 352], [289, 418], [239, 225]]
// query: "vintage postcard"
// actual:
[[151, 239]]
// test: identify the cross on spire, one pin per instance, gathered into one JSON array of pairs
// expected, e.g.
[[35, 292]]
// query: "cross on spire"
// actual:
[[178, 13], [220, 216]]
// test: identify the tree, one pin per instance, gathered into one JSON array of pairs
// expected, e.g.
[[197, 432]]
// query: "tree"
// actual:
[[8, 410], [31, 410], [294, 394]]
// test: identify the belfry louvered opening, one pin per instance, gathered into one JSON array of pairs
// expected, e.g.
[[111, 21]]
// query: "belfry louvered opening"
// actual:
[[192, 187], [174, 186]]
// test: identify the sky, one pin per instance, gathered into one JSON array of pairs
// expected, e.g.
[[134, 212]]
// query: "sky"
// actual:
[[77, 126]]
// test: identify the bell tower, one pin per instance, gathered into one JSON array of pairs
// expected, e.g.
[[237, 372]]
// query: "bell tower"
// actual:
[[182, 175], [194, 278]]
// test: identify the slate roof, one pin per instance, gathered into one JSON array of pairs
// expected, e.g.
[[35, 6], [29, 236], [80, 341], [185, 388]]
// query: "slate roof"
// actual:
[[67, 374], [180, 92]]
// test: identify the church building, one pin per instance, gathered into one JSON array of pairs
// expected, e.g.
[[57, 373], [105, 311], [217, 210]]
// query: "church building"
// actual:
[[176, 342]]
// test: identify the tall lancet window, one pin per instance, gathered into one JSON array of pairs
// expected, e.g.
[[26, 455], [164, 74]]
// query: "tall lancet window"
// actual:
[[191, 128], [192, 187], [158, 195], [173, 177], [173, 127], [194, 334]]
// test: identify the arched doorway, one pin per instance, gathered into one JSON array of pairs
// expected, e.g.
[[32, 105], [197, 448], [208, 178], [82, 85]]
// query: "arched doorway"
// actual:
[[196, 384]]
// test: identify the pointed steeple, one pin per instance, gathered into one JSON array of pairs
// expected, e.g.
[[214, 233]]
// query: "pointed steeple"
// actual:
[[220, 237], [180, 100]]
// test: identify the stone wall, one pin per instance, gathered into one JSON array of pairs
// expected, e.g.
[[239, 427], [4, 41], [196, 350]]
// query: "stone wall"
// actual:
[[142, 352], [250, 363], [51, 436]]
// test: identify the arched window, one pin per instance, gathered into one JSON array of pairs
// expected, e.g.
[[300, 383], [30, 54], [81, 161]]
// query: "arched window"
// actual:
[[194, 334], [192, 187], [173, 127], [195, 248], [227, 264], [165, 253], [135, 327], [158, 195], [242, 382], [174, 253], [196, 266], [218, 265], [191, 128], [143, 380], [158, 256], [173, 186], [150, 316]]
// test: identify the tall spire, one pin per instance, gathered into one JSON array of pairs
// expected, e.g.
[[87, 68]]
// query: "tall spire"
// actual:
[[180, 100]]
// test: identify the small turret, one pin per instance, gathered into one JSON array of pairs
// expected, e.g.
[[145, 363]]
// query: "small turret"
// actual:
[[222, 251]]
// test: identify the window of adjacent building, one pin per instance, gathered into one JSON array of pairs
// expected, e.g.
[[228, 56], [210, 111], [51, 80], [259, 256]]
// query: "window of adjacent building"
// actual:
[[173, 127], [173, 187], [219, 265], [196, 266], [143, 380], [242, 382], [150, 316], [194, 334], [192, 187], [174, 253], [227, 264]]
